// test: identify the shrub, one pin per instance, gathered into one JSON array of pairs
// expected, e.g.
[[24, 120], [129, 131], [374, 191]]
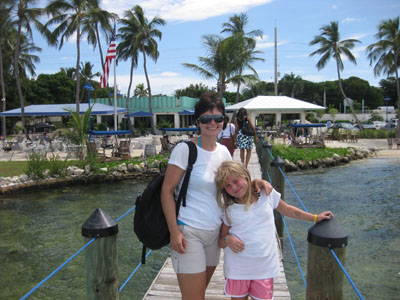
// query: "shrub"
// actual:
[[56, 165], [36, 165]]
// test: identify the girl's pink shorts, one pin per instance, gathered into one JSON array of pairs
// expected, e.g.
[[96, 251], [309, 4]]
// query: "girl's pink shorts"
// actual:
[[261, 289]]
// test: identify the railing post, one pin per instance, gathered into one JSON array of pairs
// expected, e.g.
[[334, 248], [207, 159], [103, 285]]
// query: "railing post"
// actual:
[[278, 182], [101, 257], [266, 160], [324, 275]]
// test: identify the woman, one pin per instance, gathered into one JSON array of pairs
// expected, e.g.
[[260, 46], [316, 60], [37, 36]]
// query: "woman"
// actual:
[[227, 136], [244, 142], [194, 232]]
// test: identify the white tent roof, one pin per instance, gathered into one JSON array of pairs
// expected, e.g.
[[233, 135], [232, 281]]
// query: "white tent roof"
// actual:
[[274, 103]]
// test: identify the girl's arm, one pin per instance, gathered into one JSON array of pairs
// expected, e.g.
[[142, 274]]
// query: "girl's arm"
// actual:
[[296, 213], [172, 178], [225, 239]]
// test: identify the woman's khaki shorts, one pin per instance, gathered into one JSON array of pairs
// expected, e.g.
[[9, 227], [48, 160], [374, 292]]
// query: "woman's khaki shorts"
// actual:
[[201, 250]]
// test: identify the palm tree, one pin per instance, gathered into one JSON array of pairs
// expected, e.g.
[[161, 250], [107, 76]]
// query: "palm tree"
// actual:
[[6, 26], [98, 20], [25, 16], [128, 48], [140, 91], [87, 74], [332, 46], [291, 84], [222, 61], [237, 27], [71, 15], [386, 53], [145, 41]]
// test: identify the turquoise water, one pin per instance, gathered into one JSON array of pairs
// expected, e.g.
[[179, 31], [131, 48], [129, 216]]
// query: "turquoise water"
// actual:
[[42, 229], [365, 198]]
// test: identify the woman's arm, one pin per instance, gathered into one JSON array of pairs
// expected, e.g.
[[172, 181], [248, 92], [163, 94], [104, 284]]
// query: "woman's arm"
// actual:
[[225, 239], [172, 178], [296, 213], [254, 129]]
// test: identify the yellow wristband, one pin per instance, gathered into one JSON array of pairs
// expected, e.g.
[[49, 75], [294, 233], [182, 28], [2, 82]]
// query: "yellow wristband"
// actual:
[[315, 218]]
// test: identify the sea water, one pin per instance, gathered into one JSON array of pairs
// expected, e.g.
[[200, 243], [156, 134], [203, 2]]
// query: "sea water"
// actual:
[[40, 230], [365, 199]]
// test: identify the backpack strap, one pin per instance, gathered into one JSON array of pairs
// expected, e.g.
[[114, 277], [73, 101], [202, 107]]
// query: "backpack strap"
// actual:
[[191, 160]]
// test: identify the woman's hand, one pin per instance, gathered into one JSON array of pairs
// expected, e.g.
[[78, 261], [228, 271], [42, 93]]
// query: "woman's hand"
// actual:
[[178, 242], [263, 184], [324, 216], [234, 243]]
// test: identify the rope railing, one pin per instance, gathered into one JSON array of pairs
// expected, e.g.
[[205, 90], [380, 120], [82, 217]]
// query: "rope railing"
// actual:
[[290, 240], [75, 255]]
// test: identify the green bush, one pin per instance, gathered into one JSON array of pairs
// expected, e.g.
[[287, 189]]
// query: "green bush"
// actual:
[[294, 154], [56, 165], [36, 165]]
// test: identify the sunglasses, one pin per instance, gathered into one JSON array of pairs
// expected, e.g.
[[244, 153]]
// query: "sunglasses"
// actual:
[[207, 119]]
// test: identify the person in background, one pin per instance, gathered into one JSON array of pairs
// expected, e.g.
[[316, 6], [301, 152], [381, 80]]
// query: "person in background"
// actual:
[[227, 136], [251, 258], [194, 232], [244, 142]]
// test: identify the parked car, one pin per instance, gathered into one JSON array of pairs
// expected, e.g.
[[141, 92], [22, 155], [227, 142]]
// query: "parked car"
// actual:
[[40, 127], [389, 126], [365, 126], [378, 124], [344, 125], [394, 121]]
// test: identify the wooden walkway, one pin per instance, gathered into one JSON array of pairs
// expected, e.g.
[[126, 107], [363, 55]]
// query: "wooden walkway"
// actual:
[[165, 285]]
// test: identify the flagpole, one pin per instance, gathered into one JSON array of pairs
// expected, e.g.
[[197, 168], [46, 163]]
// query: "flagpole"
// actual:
[[115, 95]]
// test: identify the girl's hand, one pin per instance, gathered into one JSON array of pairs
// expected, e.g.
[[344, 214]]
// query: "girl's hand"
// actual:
[[234, 243], [324, 216], [263, 184], [178, 242]]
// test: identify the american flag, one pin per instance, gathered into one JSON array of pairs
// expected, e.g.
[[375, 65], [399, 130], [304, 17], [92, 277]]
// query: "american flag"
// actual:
[[110, 55]]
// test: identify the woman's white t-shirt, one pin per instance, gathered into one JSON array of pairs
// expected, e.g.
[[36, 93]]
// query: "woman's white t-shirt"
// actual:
[[255, 227], [202, 210]]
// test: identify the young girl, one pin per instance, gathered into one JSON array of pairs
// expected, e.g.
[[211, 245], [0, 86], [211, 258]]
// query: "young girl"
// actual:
[[248, 232]]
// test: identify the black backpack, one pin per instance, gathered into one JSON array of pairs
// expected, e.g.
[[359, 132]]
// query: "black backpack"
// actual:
[[149, 221]]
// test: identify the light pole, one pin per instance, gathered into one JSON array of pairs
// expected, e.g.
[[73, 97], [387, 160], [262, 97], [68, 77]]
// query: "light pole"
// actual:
[[89, 88], [387, 99], [4, 119]]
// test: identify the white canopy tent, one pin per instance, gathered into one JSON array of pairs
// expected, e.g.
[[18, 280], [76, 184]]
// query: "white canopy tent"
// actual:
[[277, 105]]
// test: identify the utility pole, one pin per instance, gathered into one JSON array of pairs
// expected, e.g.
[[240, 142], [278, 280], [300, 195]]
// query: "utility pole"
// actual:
[[276, 62]]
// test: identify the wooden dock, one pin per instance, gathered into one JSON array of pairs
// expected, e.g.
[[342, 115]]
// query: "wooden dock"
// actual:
[[165, 285]]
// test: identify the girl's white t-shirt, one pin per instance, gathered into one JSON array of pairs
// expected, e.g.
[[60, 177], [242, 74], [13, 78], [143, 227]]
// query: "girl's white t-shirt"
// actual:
[[202, 210], [255, 227], [226, 133]]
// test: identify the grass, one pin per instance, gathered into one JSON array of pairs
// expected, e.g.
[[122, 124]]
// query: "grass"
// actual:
[[12, 168], [16, 168]]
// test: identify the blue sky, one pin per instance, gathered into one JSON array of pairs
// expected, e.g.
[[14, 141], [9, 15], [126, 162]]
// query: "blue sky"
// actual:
[[297, 22]]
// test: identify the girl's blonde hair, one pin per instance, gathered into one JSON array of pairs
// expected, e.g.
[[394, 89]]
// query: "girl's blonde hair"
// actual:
[[226, 169]]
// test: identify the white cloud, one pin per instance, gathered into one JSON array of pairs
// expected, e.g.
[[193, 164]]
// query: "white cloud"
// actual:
[[184, 10], [358, 36], [351, 20]]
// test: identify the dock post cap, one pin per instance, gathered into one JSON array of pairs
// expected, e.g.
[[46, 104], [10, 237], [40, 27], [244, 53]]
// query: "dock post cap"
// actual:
[[267, 145], [327, 233], [277, 162], [99, 224]]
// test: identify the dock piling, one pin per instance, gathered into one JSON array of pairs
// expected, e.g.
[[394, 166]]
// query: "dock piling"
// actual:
[[101, 257]]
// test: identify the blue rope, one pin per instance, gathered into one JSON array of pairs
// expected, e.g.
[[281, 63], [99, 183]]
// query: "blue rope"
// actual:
[[297, 196], [294, 251], [123, 215], [133, 272], [347, 275], [56, 270]]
